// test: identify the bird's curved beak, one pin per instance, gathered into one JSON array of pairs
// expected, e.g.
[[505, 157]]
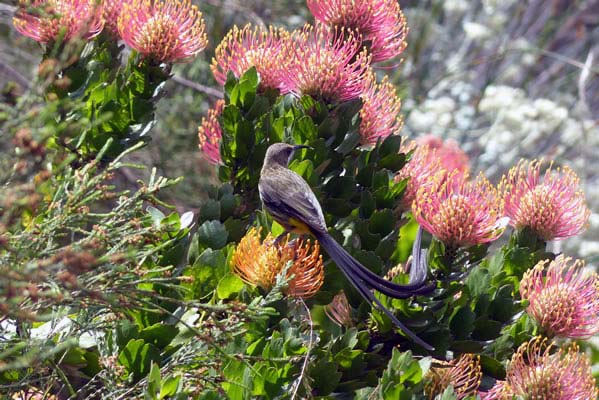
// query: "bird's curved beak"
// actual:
[[296, 148], [302, 146]]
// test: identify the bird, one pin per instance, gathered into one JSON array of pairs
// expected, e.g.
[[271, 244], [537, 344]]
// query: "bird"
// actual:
[[288, 198]]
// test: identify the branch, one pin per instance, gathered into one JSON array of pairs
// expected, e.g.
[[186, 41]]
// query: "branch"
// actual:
[[198, 87]]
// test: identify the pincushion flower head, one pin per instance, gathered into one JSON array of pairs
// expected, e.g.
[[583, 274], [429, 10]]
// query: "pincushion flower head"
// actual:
[[45, 21], [562, 298], [210, 133], [111, 9], [259, 262], [269, 51], [451, 156], [459, 212], [381, 23], [339, 310], [419, 170], [380, 110], [539, 370], [552, 205], [166, 31], [327, 64], [463, 374]]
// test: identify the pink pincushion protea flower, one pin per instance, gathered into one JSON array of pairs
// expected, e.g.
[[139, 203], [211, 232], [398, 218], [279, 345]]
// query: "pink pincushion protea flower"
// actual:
[[537, 371], [380, 110], [381, 23], [111, 9], [327, 65], [164, 30], [562, 298], [452, 157], [418, 170], [553, 206], [53, 18], [210, 133], [458, 212], [463, 374], [269, 51]]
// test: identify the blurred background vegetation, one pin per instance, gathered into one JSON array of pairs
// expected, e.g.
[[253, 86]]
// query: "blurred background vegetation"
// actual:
[[506, 79]]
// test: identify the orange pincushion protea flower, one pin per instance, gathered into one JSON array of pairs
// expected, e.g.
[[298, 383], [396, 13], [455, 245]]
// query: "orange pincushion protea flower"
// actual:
[[46, 20], [552, 206], [259, 262], [463, 373], [167, 31]]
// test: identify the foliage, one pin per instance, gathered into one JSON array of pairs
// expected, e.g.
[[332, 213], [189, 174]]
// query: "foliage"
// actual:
[[109, 292]]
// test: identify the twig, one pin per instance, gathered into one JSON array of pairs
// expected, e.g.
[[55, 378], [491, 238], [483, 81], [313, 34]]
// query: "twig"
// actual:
[[198, 87], [13, 75], [307, 358], [584, 77]]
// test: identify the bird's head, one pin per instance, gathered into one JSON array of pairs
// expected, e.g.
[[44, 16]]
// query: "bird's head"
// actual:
[[281, 153]]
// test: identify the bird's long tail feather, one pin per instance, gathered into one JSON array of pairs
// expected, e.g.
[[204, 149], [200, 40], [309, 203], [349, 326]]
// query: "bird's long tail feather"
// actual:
[[360, 279], [417, 274]]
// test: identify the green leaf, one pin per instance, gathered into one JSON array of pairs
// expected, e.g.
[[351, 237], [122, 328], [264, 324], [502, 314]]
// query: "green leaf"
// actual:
[[486, 330], [92, 367], [156, 214], [160, 335], [137, 358], [340, 187], [207, 270], [367, 205], [393, 162], [466, 346], [350, 142], [390, 146], [382, 222], [212, 234], [125, 331], [238, 382], [170, 386], [229, 286], [211, 209], [492, 367], [325, 375], [461, 323], [73, 356], [244, 93], [502, 306], [154, 383], [448, 394], [478, 281]]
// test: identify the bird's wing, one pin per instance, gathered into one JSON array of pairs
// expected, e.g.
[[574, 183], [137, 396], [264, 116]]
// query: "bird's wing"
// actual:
[[288, 194]]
